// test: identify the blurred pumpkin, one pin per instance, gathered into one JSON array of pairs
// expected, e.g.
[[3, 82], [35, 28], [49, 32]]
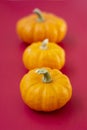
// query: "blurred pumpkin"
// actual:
[[44, 54], [41, 25], [45, 89]]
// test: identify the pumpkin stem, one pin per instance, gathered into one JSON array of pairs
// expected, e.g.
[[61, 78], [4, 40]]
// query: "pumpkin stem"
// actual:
[[46, 78], [44, 44], [39, 14]]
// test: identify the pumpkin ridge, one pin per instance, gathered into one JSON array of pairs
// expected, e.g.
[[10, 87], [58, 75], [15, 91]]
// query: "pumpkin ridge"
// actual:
[[34, 95], [56, 93], [28, 87]]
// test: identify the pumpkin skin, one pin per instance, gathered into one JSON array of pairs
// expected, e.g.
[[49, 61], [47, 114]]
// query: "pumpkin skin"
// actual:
[[49, 94], [41, 25], [44, 54]]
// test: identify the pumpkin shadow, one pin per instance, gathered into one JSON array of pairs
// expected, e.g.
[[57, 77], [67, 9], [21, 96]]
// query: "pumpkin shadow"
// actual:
[[69, 69], [70, 110], [23, 45], [69, 42]]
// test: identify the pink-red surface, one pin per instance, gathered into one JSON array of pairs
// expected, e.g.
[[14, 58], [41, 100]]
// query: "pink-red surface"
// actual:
[[14, 114]]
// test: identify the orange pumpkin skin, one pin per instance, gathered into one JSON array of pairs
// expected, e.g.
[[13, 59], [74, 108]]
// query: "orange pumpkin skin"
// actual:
[[30, 29], [45, 96], [50, 55]]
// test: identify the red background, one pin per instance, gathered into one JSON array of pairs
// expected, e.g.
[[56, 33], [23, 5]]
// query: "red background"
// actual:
[[14, 114]]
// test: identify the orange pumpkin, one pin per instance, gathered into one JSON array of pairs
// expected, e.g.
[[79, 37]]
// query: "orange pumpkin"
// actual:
[[44, 54], [45, 89], [41, 25]]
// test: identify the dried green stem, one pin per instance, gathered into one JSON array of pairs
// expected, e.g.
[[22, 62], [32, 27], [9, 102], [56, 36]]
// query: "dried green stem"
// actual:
[[46, 76], [44, 44], [39, 14]]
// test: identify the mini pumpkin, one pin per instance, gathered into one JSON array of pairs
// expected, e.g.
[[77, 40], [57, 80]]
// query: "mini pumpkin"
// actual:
[[41, 25], [44, 54], [45, 89]]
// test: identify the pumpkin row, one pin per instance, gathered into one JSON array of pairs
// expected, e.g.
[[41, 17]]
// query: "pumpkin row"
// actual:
[[44, 87]]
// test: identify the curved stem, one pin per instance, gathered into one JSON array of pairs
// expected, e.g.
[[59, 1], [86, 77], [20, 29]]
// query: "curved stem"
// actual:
[[39, 14], [46, 76], [44, 44]]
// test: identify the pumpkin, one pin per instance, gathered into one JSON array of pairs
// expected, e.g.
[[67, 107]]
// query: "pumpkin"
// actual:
[[44, 54], [45, 89], [41, 25]]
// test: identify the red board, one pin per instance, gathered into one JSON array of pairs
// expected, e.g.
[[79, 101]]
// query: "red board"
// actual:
[[14, 114]]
